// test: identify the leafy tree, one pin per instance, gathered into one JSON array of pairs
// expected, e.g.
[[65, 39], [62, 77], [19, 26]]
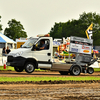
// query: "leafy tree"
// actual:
[[67, 29], [56, 32], [15, 30], [78, 27], [0, 25], [88, 18]]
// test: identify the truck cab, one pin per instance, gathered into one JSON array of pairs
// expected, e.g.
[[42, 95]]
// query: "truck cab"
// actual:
[[30, 56]]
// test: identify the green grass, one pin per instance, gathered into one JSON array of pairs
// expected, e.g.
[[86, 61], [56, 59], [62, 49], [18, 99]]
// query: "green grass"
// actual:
[[10, 79], [12, 69], [97, 69], [7, 68]]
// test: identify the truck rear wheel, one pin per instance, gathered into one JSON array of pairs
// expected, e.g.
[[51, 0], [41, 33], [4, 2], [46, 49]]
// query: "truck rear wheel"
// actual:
[[63, 72], [18, 69], [90, 70], [75, 70], [29, 67]]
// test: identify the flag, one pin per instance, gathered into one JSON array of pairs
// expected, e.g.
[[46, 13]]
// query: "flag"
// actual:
[[89, 31]]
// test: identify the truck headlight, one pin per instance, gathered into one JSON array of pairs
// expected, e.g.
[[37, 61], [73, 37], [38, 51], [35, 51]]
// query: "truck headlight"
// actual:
[[18, 54]]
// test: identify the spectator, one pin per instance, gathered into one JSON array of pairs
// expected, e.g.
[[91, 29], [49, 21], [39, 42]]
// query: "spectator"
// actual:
[[7, 50], [92, 52], [94, 56], [56, 54], [4, 51]]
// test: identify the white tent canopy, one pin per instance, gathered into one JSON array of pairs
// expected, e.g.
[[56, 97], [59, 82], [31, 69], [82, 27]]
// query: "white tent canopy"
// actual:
[[5, 41]]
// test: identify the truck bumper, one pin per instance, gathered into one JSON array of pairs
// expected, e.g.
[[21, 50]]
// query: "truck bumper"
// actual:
[[15, 61]]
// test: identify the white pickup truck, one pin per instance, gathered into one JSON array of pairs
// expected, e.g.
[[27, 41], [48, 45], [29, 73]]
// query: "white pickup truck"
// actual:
[[31, 57]]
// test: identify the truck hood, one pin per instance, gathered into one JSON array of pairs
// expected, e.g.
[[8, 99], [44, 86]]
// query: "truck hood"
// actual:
[[19, 50]]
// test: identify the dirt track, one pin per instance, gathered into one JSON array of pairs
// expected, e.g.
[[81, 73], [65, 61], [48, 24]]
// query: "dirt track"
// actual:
[[41, 74], [50, 92], [66, 91]]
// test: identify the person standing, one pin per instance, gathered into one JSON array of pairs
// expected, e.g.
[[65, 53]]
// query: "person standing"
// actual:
[[4, 51], [94, 55], [7, 50], [56, 54]]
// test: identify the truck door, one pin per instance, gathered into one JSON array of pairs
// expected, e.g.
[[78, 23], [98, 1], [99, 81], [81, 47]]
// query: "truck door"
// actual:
[[43, 53]]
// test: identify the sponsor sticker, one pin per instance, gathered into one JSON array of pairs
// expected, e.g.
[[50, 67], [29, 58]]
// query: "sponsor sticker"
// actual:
[[74, 50], [85, 47], [86, 51]]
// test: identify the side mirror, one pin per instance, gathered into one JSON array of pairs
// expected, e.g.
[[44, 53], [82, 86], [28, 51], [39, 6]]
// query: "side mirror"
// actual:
[[34, 47]]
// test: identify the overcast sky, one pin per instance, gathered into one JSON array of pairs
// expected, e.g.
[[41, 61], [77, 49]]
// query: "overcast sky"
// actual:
[[38, 16]]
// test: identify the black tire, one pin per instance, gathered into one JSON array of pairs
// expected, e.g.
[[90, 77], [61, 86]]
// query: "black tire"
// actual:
[[75, 70], [63, 72], [90, 70], [29, 67], [18, 69]]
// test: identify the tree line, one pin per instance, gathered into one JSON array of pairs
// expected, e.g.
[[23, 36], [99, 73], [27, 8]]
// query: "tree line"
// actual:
[[78, 27], [72, 27]]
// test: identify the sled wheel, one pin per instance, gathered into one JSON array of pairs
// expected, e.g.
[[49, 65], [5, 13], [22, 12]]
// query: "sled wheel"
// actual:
[[90, 70]]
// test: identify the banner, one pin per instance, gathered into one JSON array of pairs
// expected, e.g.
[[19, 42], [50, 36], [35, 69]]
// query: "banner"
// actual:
[[80, 45], [77, 48], [56, 43]]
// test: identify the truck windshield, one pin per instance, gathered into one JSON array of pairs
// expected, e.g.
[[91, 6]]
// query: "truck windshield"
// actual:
[[29, 43]]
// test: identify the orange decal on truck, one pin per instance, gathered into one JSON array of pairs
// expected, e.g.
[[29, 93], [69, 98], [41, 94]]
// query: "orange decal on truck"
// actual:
[[86, 51]]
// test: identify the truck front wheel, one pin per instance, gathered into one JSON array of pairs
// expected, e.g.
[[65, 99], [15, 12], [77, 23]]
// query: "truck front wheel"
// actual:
[[29, 67], [18, 69], [75, 70]]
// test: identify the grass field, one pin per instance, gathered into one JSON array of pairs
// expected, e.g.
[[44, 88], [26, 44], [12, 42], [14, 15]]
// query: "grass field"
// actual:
[[13, 79], [10, 79], [12, 69]]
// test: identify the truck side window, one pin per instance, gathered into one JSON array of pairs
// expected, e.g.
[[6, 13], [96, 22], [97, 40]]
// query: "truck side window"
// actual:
[[43, 44]]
